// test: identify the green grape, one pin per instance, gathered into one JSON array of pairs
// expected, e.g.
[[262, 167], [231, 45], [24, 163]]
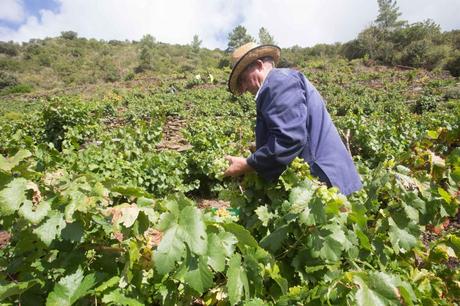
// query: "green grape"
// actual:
[[218, 168]]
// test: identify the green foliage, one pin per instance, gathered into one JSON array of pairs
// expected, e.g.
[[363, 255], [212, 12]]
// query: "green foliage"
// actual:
[[388, 15], [265, 38], [391, 41], [7, 80], [70, 35], [102, 198], [238, 37], [453, 65], [20, 88], [9, 48], [196, 43]]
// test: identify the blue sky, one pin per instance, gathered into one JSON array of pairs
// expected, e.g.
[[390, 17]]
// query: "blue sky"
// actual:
[[291, 22], [30, 8]]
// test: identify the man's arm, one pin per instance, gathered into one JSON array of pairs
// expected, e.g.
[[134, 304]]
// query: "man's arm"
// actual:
[[284, 112]]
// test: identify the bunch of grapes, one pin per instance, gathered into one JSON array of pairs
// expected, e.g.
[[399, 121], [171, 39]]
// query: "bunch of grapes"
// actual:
[[218, 167]]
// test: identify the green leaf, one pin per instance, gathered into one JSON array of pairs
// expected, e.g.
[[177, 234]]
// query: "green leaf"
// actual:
[[237, 280], [52, 228], [300, 196], [193, 230], [73, 232], [334, 243], [363, 239], [117, 298], [113, 281], [317, 212], [264, 215], [242, 234], [431, 134], [12, 196], [34, 214], [445, 195], [403, 237], [170, 250], [379, 288], [77, 198], [16, 288], [274, 241], [331, 249], [71, 288], [6, 164], [198, 276], [130, 191], [274, 272], [255, 302], [220, 246]]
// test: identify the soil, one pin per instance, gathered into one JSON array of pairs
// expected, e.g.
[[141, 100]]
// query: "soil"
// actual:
[[212, 203], [172, 135]]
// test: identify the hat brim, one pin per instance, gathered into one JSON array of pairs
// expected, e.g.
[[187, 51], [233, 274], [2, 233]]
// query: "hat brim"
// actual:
[[247, 59]]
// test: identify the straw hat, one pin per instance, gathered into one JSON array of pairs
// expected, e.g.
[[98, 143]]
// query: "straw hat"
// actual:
[[243, 56]]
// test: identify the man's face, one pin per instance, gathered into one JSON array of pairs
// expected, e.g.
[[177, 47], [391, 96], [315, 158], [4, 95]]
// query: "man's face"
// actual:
[[251, 79]]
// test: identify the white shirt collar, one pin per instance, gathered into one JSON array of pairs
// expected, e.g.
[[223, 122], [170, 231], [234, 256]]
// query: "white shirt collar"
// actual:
[[262, 85]]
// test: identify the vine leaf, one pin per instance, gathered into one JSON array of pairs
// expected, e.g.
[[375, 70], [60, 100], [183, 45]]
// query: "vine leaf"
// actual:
[[71, 288]]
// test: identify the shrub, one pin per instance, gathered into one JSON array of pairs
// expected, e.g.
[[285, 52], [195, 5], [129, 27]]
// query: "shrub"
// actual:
[[9, 48], [130, 76], [69, 35], [7, 80], [20, 88], [415, 53], [453, 65]]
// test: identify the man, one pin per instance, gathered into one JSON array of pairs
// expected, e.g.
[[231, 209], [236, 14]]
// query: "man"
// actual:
[[292, 121]]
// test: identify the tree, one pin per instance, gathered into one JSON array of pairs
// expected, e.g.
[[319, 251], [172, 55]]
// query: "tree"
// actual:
[[7, 79], [148, 41], [196, 43], [388, 15], [69, 35], [238, 37], [9, 48], [147, 55], [265, 38]]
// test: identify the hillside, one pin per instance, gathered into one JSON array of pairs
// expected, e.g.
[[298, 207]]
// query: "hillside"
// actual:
[[112, 192]]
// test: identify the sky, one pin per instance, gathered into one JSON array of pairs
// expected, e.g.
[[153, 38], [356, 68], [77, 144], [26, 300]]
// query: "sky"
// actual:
[[292, 22]]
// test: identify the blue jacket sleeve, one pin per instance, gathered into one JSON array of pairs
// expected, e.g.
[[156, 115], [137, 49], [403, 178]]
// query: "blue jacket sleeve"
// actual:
[[284, 111]]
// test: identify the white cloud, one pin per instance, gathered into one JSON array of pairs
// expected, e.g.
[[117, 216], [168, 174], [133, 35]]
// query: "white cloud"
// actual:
[[443, 12], [11, 10], [308, 22], [171, 21], [291, 22]]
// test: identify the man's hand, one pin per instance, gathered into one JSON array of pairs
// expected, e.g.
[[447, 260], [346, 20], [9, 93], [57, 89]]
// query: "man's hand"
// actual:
[[238, 166]]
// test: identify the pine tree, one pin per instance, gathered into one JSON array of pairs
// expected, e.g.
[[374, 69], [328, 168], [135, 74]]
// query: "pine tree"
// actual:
[[238, 37], [196, 43], [147, 54], [388, 15], [265, 38]]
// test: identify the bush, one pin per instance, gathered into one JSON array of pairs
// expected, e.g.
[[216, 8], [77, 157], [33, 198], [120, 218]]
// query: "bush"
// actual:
[[9, 48], [111, 73], [130, 76], [70, 35], [437, 56], [59, 117], [453, 65], [7, 80], [352, 50], [415, 53], [20, 88]]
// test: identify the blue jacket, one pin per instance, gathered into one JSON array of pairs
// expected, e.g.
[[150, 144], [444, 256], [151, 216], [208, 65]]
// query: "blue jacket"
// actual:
[[292, 120]]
